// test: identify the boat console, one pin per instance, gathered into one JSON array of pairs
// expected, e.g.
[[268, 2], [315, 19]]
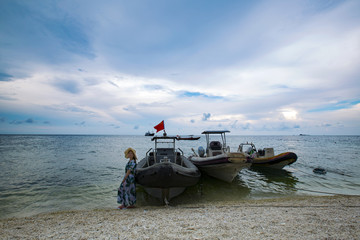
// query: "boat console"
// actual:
[[215, 148], [165, 153]]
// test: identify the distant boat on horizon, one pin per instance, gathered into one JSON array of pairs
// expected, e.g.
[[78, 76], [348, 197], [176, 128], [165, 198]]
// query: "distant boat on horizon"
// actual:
[[301, 134], [148, 133], [187, 137]]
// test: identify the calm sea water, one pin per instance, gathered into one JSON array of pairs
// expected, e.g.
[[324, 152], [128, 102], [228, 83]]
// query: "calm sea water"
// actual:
[[45, 173]]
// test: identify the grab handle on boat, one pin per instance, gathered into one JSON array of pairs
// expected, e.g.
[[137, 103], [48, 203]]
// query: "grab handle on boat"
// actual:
[[194, 152], [227, 149], [182, 153], [147, 157]]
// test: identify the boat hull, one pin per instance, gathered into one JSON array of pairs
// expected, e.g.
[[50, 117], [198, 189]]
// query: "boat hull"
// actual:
[[224, 166], [166, 180], [165, 194], [278, 161], [166, 175]]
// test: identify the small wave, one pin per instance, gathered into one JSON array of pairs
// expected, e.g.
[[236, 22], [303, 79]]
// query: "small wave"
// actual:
[[113, 168]]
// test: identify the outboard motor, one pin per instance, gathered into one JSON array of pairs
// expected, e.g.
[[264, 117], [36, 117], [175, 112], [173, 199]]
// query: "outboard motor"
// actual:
[[201, 151]]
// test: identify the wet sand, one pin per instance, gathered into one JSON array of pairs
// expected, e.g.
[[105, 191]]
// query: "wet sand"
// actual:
[[335, 217]]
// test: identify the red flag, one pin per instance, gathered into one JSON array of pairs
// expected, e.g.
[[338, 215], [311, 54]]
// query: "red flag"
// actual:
[[160, 126]]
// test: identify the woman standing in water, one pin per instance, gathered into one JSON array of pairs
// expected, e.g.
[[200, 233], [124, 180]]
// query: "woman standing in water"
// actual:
[[127, 190]]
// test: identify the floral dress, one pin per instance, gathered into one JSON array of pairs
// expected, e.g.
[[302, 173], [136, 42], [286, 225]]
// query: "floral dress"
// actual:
[[127, 190]]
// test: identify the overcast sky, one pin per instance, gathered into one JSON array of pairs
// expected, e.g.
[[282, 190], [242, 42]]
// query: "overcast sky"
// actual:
[[121, 67]]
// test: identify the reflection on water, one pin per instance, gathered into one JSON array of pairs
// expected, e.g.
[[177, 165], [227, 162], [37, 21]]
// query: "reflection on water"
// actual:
[[208, 189], [277, 176], [250, 183], [267, 182]]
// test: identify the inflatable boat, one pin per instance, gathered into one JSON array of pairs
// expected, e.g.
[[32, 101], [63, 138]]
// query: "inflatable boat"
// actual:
[[266, 157], [218, 161], [165, 172]]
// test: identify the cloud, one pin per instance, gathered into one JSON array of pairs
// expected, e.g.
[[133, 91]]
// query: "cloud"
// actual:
[[153, 87], [206, 116], [29, 120], [81, 124], [114, 84], [69, 32], [69, 108], [7, 98], [18, 122], [5, 77], [257, 67], [326, 125], [114, 126], [69, 86], [43, 31]]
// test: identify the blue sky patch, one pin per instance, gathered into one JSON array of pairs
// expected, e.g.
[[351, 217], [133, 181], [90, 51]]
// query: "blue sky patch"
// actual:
[[336, 106], [198, 94]]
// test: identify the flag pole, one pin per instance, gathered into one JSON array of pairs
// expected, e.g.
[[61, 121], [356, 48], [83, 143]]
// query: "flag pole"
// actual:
[[164, 130]]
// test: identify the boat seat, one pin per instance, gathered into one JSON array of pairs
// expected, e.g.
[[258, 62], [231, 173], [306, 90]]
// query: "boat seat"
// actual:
[[215, 145]]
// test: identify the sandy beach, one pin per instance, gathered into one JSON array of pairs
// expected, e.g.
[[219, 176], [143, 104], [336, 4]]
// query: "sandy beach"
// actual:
[[335, 217]]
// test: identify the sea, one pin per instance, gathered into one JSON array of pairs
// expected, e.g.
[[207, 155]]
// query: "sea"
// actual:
[[49, 173]]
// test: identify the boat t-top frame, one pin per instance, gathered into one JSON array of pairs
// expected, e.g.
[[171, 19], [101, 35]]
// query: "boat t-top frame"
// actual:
[[250, 144], [213, 132], [164, 140], [165, 153]]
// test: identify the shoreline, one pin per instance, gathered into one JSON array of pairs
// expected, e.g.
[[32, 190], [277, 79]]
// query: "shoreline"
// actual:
[[302, 217]]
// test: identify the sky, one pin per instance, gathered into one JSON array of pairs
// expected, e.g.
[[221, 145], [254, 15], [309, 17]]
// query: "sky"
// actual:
[[121, 67]]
